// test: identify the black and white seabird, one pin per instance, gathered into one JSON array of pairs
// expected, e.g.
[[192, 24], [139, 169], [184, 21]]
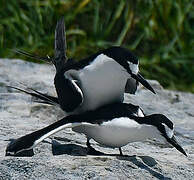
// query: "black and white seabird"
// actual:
[[94, 81], [113, 125]]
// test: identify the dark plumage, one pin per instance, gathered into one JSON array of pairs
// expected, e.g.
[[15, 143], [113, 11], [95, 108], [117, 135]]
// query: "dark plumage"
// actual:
[[113, 125], [97, 80]]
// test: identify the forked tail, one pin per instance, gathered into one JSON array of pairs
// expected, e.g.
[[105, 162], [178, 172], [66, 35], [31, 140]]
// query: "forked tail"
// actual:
[[39, 97]]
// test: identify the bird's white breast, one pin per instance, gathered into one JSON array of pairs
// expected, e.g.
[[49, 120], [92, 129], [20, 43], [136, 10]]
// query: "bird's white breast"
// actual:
[[102, 82], [117, 132]]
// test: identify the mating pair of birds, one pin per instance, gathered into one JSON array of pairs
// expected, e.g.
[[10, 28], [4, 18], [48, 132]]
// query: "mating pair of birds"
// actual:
[[91, 91]]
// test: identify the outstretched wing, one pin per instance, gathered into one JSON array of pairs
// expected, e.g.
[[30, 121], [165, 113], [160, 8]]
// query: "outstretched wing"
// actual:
[[31, 140], [60, 45], [70, 95]]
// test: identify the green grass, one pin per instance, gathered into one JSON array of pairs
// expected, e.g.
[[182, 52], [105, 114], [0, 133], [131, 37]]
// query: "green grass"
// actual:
[[160, 33]]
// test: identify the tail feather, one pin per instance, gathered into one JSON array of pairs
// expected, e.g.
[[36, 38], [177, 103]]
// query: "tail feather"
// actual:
[[33, 56], [42, 98]]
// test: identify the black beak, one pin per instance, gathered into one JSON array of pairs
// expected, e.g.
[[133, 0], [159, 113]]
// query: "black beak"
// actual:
[[174, 142], [141, 79]]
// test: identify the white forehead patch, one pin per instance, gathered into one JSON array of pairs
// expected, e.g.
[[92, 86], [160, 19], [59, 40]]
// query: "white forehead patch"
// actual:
[[169, 132], [133, 67]]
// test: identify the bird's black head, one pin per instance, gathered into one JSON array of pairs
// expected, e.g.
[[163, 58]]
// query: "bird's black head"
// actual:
[[166, 129], [130, 63], [123, 56]]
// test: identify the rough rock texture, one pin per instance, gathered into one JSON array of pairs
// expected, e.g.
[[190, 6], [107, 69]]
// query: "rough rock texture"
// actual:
[[63, 156]]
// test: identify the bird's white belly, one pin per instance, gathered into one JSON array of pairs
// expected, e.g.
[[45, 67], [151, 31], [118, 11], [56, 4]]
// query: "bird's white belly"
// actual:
[[100, 90], [102, 84], [108, 136], [116, 133]]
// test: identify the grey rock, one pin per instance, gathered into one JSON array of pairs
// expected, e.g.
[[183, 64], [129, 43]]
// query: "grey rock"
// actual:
[[63, 156]]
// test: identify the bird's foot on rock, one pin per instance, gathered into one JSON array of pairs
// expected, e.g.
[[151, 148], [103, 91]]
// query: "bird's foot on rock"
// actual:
[[92, 151]]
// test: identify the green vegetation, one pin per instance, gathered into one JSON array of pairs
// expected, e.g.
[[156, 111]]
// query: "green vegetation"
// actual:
[[159, 32]]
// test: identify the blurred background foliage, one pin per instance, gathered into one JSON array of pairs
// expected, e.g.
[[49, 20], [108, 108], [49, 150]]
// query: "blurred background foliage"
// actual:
[[159, 32]]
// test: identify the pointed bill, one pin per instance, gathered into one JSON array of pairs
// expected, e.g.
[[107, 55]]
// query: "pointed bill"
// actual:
[[174, 143], [141, 79]]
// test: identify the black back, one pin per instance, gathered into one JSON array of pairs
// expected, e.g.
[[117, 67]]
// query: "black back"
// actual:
[[119, 54], [106, 113]]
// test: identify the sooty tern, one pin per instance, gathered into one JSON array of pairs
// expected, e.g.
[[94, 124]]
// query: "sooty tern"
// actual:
[[113, 125], [94, 81]]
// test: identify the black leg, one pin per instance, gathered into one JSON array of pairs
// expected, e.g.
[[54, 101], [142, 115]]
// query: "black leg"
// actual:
[[91, 150], [88, 143], [120, 150]]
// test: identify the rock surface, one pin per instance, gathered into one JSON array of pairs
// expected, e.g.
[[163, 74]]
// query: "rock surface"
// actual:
[[63, 156]]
